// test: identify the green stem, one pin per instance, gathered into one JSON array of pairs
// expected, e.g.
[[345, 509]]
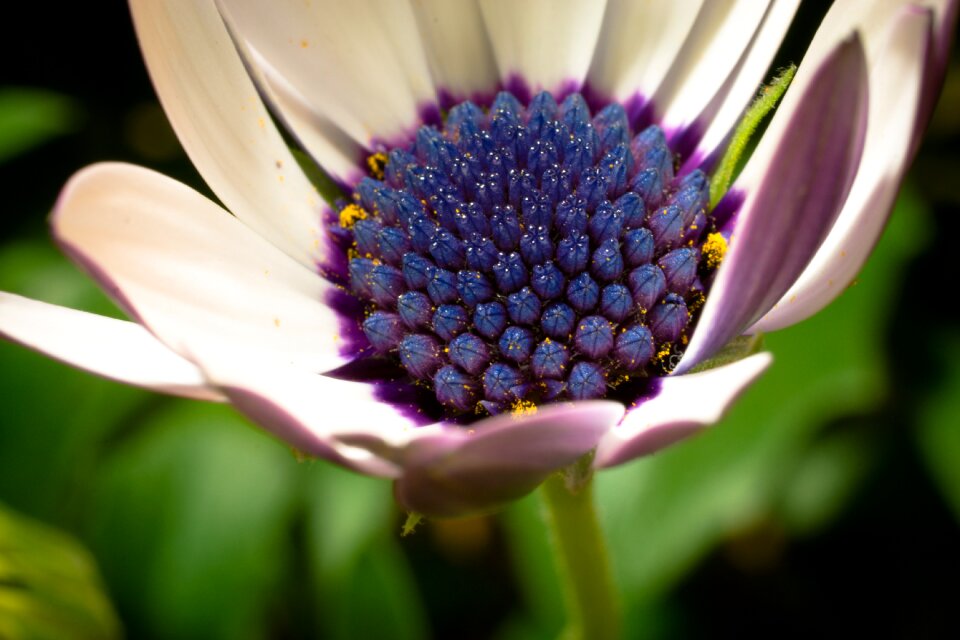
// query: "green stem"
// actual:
[[581, 556]]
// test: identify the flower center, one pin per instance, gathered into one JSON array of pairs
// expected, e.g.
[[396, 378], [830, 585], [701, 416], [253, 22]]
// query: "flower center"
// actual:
[[523, 255]]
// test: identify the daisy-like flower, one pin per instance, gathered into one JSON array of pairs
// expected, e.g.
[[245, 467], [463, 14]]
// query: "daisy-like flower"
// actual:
[[526, 266]]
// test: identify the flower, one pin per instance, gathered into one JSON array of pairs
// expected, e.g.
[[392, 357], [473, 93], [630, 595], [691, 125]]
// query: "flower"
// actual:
[[250, 308]]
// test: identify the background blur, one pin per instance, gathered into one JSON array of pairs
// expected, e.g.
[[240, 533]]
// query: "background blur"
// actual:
[[829, 496]]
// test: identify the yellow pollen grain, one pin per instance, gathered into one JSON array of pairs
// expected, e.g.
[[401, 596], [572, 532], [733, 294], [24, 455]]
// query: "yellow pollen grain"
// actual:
[[350, 214], [665, 351], [376, 163], [304, 44], [619, 380], [522, 408], [714, 249], [276, 322]]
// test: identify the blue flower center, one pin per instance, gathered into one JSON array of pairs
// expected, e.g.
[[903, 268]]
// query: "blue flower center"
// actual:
[[522, 255]]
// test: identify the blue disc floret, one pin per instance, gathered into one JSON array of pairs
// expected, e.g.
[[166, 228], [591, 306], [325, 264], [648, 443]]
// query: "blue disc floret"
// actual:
[[525, 254]]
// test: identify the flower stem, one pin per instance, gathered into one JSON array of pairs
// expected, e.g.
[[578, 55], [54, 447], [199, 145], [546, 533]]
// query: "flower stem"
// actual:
[[581, 555]]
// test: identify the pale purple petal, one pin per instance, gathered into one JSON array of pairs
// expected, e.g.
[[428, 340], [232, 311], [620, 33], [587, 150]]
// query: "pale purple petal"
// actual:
[[479, 468], [795, 184], [224, 127], [896, 77], [190, 272], [115, 349], [683, 405]]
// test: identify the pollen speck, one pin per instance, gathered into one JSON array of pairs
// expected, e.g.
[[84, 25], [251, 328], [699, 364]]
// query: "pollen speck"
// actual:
[[304, 44], [376, 163], [714, 249], [522, 408], [276, 322], [350, 214]]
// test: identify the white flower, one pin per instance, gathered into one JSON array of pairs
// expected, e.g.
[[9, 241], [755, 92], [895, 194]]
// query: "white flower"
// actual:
[[233, 308]]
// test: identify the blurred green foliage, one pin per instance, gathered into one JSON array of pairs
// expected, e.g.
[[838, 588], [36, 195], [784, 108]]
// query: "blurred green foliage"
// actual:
[[49, 585], [31, 116]]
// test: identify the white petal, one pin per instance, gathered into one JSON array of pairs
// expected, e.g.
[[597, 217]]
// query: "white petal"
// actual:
[[683, 406], [718, 38], [115, 349], [224, 127], [896, 80], [327, 144], [359, 64], [458, 50], [638, 43], [190, 272], [548, 44], [747, 77], [308, 410]]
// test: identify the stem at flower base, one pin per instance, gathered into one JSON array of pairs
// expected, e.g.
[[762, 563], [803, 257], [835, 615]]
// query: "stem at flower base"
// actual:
[[581, 555]]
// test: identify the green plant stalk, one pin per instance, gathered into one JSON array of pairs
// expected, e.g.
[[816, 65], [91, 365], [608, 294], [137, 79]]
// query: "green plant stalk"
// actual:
[[581, 555], [762, 105]]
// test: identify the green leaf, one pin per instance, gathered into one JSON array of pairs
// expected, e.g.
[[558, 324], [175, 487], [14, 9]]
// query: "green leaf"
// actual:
[[346, 514], [29, 117], [379, 598], [542, 612], [191, 519], [49, 585], [355, 560]]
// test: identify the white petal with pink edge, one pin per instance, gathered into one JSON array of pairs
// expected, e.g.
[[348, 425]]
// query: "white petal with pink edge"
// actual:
[[312, 412], [683, 406], [546, 43], [479, 468], [896, 80], [441, 468], [191, 272], [115, 349], [223, 125]]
